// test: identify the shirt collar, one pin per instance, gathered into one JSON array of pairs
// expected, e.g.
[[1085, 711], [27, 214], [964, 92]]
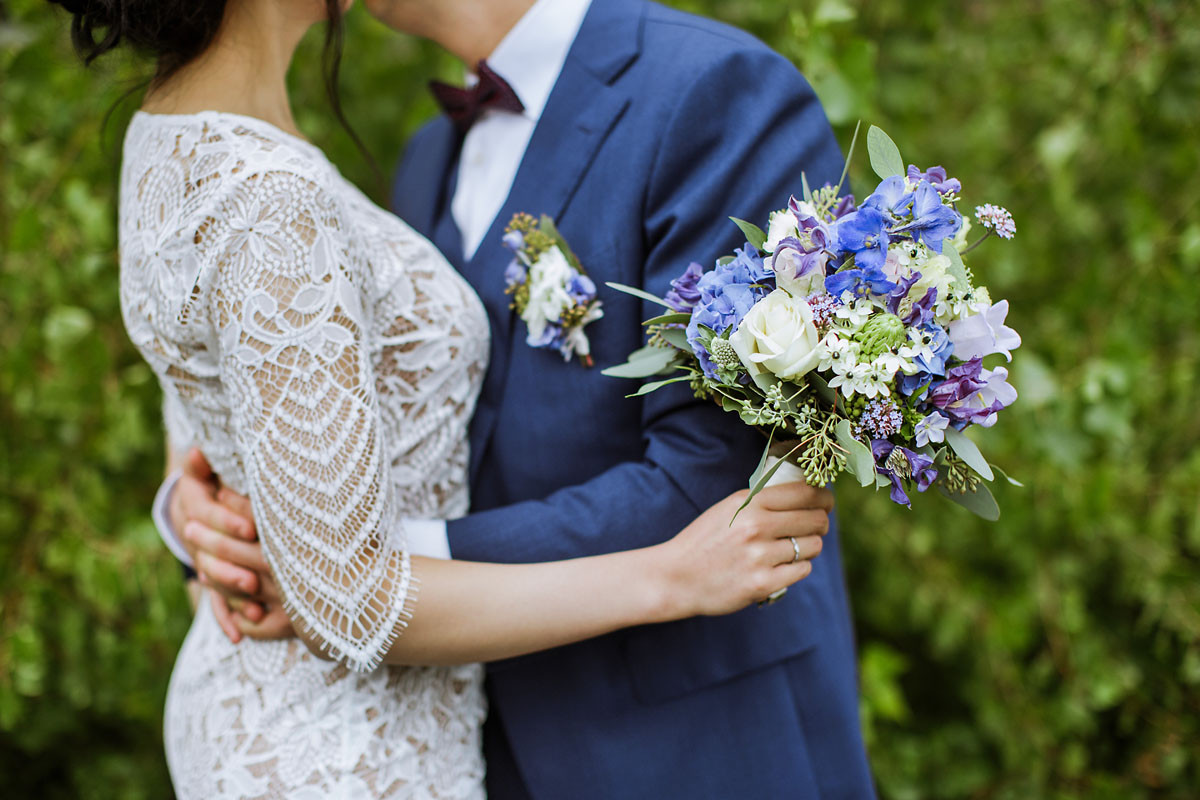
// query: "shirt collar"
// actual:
[[531, 56]]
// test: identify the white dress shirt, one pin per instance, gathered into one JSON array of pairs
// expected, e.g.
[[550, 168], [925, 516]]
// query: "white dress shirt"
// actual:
[[530, 58]]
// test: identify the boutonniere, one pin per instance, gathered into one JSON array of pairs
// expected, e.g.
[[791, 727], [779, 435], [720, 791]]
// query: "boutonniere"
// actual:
[[550, 290]]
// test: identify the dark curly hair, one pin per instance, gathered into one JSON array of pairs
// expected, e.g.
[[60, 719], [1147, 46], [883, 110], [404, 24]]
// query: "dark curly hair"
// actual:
[[175, 32]]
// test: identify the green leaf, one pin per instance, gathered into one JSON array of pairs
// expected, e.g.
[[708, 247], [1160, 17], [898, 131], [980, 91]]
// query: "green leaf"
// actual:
[[858, 458], [968, 452], [958, 270], [676, 318], [647, 388], [849, 156], [808, 198], [762, 460], [676, 337], [652, 362], [979, 502], [885, 156], [1008, 477], [764, 478], [822, 387], [754, 234], [639, 293], [548, 227]]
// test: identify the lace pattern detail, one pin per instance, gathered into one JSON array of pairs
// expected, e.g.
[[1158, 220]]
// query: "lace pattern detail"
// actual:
[[327, 360]]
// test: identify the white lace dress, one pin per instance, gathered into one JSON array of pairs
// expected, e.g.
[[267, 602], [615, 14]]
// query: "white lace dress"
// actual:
[[327, 360]]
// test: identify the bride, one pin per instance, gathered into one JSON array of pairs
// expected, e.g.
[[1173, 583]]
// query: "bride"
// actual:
[[326, 358]]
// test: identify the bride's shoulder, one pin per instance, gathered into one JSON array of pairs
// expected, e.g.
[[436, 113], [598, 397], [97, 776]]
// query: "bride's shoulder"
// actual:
[[209, 151]]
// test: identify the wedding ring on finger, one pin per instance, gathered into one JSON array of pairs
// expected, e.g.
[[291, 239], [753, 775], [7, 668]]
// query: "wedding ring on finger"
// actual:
[[795, 549]]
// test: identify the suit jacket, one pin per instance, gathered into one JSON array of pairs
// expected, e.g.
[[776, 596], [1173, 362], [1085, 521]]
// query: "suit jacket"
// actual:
[[660, 126]]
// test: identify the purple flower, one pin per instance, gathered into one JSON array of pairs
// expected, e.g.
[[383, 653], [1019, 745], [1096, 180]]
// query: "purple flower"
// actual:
[[860, 282], [581, 289], [684, 295], [921, 312], [971, 395], [727, 293], [889, 196], [805, 258], [863, 233], [937, 177], [932, 222], [844, 206], [515, 273], [916, 466], [514, 240], [996, 218]]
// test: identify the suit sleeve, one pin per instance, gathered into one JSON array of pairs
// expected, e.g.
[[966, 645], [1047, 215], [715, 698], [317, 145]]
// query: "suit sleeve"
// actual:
[[735, 145]]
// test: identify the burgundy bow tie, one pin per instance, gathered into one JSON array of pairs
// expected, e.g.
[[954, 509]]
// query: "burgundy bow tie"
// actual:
[[464, 106]]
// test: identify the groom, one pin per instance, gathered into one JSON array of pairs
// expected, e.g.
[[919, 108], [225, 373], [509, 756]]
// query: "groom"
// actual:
[[639, 129]]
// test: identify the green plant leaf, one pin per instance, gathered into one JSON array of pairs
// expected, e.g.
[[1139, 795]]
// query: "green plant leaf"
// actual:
[[639, 293], [849, 157], [675, 318], [808, 198], [958, 270], [979, 502], [1008, 477], [968, 452], [764, 478], [754, 234], [885, 156], [647, 388], [651, 362], [676, 337], [858, 458]]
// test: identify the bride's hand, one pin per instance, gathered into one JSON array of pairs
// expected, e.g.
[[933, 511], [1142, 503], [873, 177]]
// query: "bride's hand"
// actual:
[[716, 568]]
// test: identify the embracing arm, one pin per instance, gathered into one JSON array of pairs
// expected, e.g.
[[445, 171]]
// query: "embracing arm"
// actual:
[[308, 434], [727, 150]]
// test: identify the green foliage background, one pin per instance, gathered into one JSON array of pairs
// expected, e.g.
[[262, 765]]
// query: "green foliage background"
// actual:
[[1055, 654]]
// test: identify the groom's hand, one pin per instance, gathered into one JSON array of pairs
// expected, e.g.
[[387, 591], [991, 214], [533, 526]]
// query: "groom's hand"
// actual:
[[218, 530]]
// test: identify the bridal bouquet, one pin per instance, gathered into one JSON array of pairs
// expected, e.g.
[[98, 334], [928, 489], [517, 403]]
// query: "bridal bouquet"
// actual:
[[852, 334]]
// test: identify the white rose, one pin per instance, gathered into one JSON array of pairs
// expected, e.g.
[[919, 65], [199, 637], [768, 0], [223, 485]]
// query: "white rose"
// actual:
[[778, 336]]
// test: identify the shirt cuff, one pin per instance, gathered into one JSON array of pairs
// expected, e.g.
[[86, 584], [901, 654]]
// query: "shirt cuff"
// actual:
[[162, 520], [427, 537]]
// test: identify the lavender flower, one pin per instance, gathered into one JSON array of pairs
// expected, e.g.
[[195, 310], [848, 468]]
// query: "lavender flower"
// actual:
[[996, 218], [899, 463], [881, 418], [727, 293], [932, 222], [684, 295], [937, 177]]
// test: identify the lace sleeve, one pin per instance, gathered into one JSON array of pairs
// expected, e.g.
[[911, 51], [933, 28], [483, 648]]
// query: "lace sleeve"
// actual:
[[286, 299]]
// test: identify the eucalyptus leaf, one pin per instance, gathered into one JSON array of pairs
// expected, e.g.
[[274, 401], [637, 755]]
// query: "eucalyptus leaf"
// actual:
[[966, 449], [1008, 477], [822, 387], [885, 156], [677, 337], [762, 460], [675, 318], [958, 270], [654, 362], [858, 458], [639, 293], [647, 388], [754, 234], [979, 502], [764, 478]]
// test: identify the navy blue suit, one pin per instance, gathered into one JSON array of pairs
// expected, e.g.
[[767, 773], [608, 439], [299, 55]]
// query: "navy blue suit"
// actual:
[[661, 125]]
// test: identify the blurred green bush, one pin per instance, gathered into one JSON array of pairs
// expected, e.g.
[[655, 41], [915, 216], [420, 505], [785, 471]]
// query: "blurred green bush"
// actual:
[[1055, 654]]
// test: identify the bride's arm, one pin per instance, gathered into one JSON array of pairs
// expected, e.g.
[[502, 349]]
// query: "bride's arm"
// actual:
[[284, 299]]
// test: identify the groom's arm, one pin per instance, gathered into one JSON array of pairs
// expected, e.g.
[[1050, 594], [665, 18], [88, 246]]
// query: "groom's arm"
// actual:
[[736, 144]]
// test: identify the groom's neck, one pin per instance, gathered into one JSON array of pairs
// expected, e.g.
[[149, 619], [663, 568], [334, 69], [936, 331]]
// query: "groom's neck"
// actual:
[[469, 29]]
